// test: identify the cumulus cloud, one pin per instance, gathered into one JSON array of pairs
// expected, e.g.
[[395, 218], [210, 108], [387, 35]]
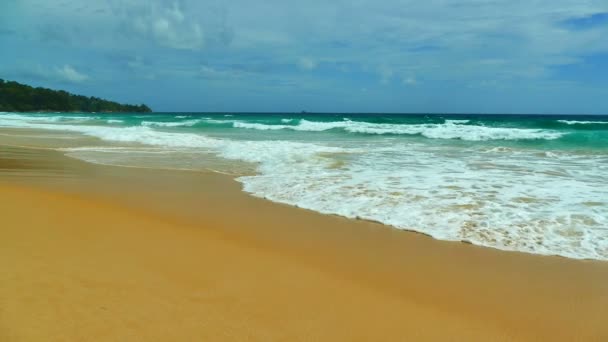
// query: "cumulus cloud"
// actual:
[[168, 26], [443, 38], [361, 42]]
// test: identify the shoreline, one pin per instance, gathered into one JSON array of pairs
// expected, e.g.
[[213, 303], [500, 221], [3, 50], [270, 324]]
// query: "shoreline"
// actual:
[[429, 197], [476, 293], [233, 178]]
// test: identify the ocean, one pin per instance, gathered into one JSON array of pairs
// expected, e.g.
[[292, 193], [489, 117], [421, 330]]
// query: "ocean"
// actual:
[[528, 183]]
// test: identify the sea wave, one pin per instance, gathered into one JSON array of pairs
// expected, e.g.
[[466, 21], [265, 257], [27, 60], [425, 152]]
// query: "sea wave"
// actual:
[[574, 122], [491, 199], [260, 126], [218, 122], [451, 129], [45, 118], [187, 123]]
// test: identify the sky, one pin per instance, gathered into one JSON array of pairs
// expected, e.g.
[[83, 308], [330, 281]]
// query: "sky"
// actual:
[[424, 56]]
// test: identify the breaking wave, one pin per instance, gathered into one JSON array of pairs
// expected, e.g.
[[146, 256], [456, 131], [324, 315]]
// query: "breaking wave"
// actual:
[[574, 122], [187, 123], [451, 129]]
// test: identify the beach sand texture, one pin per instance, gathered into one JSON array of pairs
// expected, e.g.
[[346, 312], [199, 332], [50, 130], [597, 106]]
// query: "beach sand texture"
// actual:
[[96, 253]]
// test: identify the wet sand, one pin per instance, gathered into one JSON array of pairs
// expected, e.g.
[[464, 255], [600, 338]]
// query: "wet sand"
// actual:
[[92, 252]]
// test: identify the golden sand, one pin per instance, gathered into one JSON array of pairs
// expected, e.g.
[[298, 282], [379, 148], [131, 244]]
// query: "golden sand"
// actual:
[[95, 253]]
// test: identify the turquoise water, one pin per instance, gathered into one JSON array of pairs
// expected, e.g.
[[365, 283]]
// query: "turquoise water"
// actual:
[[529, 183]]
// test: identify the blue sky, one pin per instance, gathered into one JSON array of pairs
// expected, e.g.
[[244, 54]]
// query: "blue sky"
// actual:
[[492, 56]]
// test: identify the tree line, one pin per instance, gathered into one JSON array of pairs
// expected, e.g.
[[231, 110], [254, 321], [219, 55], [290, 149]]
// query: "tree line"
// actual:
[[17, 97]]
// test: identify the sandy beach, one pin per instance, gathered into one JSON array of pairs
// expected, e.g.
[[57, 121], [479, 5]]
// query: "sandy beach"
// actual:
[[101, 253], [239, 171]]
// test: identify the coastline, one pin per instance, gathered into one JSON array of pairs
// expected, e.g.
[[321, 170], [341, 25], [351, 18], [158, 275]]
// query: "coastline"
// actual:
[[182, 255]]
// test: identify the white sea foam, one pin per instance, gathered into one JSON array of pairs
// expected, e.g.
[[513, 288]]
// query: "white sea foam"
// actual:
[[501, 197], [79, 117], [137, 134], [219, 122], [187, 123], [574, 122], [42, 118], [286, 120], [496, 202], [114, 121], [31, 118], [259, 126], [113, 149], [448, 130]]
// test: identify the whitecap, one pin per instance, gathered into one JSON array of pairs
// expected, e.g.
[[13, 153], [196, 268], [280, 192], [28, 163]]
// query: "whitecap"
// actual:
[[218, 122], [258, 126], [187, 123], [457, 121], [574, 122], [448, 130]]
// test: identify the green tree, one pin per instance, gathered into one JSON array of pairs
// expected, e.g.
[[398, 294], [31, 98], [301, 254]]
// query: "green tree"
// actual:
[[23, 98]]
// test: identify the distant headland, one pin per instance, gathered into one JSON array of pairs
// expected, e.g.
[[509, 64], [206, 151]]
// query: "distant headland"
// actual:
[[17, 97]]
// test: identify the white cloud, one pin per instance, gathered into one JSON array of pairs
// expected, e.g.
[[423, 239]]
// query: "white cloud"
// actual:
[[211, 73], [176, 13], [461, 32], [410, 81], [255, 38], [386, 74], [306, 63], [166, 25], [161, 27], [68, 73], [458, 41]]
